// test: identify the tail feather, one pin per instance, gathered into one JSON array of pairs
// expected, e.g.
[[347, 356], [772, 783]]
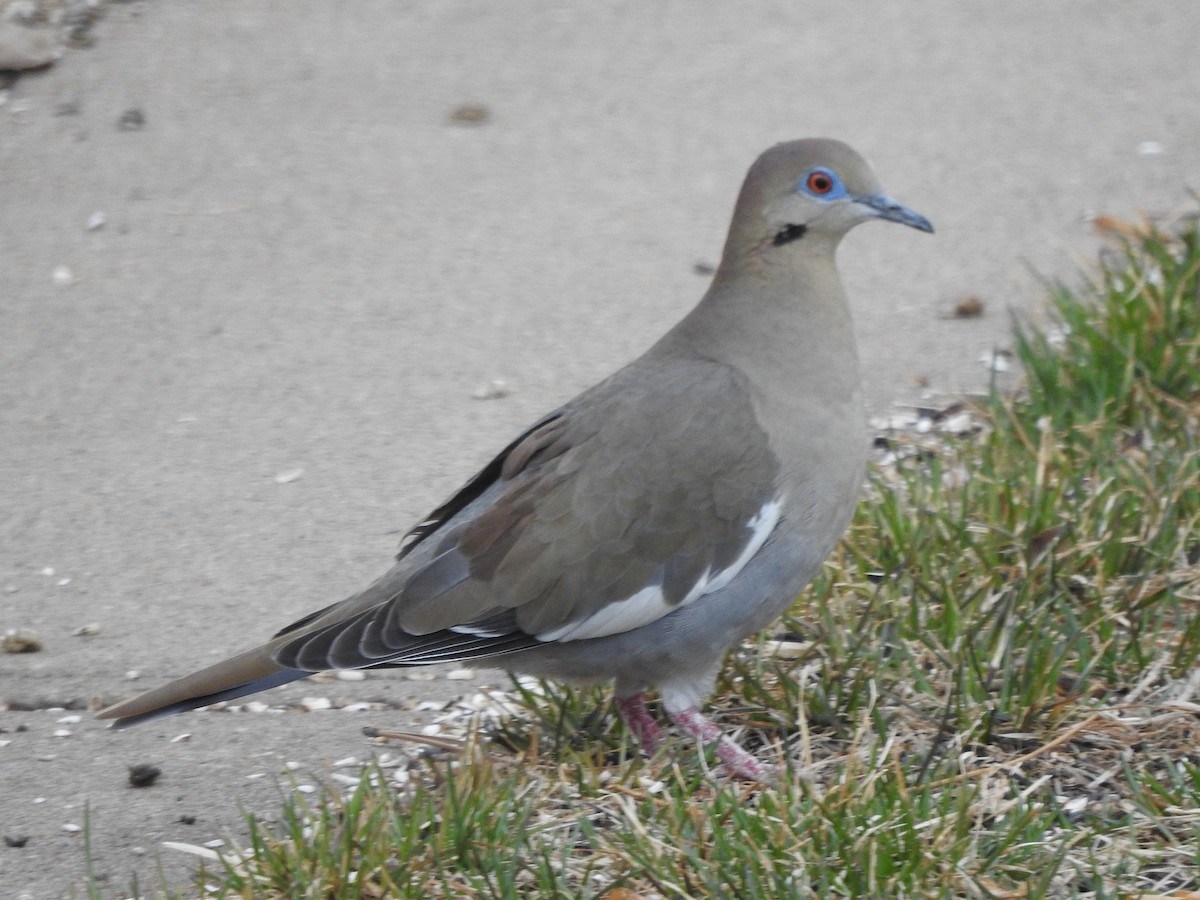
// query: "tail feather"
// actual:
[[248, 673]]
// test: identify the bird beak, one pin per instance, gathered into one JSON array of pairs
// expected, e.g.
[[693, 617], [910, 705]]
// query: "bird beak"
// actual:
[[887, 208]]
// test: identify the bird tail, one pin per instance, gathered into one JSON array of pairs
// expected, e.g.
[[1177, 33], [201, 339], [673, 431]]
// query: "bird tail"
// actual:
[[248, 673]]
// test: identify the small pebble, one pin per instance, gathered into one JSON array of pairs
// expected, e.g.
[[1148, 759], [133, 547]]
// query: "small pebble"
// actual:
[[131, 120], [72, 827], [21, 640], [62, 276], [257, 706], [143, 775], [181, 738], [493, 390], [350, 675], [460, 675], [312, 704], [91, 629], [291, 766], [61, 732], [214, 844], [70, 720], [968, 308], [305, 788], [289, 476], [133, 675], [16, 841], [63, 582], [96, 221], [470, 114], [48, 572]]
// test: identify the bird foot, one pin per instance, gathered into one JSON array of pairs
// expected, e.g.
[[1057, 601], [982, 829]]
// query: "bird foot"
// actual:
[[735, 761], [641, 724]]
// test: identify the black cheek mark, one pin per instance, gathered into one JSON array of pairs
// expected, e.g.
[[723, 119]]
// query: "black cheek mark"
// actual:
[[788, 234]]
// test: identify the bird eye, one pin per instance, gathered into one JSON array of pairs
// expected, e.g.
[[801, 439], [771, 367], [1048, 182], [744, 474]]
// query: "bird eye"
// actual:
[[819, 182]]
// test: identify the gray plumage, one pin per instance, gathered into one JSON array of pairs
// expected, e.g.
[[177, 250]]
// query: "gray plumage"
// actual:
[[639, 531]]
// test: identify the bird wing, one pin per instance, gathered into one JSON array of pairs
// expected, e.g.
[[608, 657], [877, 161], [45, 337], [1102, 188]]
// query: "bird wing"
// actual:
[[606, 515]]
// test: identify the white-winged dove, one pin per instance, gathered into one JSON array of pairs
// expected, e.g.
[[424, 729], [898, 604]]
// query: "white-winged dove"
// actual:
[[639, 531]]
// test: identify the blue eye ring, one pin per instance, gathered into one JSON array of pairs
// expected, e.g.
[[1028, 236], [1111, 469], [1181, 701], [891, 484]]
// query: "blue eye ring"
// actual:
[[822, 183]]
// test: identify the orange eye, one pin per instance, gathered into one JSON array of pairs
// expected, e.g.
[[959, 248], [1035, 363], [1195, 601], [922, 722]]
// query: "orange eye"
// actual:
[[819, 182]]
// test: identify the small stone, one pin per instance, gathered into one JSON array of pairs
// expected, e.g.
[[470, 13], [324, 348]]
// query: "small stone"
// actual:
[[181, 738], [96, 221], [287, 477], [91, 629], [16, 841], [494, 389], [72, 827], [133, 675], [70, 720], [214, 844], [305, 788], [132, 119], [21, 640], [63, 582], [143, 775], [470, 114], [460, 675], [48, 572], [62, 276], [313, 704], [968, 308], [350, 675], [61, 732]]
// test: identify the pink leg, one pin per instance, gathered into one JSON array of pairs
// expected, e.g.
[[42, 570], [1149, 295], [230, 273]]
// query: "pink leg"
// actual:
[[737, 761], [639, 721]]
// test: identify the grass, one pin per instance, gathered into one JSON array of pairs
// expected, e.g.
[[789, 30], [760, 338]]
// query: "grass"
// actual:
[[991, 691]]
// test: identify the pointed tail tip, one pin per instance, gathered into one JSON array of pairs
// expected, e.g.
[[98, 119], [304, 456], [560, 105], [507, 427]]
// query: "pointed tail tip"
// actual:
[[161, 703]]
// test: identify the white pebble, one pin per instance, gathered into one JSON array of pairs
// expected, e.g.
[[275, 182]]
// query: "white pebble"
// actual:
[[257, 706], [5, 743], [62, 275], [346, 762], [347, 780], [288, 476], [460, 675], [431, 729], [63, 582], [62, 732], [214, 844], [133, 675], [311, 704], [420, 676], [72, 827], [350, 675], [181, 738], [306, 788], [48, 571], [291, 765], [356, 707], [96, 220], [70, 720]]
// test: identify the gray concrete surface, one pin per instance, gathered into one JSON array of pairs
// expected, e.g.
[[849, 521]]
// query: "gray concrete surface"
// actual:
[[305, 266]]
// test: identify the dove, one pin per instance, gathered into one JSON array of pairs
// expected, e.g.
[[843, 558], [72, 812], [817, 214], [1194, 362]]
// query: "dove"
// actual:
[[639, 531]]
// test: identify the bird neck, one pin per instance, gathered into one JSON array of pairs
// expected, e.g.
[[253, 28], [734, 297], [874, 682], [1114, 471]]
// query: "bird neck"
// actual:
[[776, 308]]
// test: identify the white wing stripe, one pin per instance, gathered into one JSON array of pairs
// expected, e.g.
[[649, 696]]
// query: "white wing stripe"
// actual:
[[649, 604]]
